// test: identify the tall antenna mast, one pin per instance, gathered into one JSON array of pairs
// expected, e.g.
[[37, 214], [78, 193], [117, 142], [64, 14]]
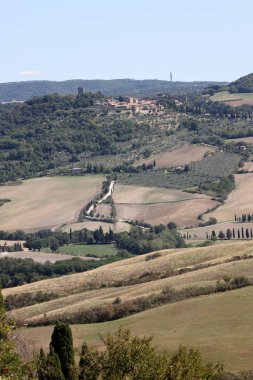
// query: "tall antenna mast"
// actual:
[[171, 76]]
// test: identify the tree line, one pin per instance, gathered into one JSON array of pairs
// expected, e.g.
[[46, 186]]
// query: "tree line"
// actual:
[[242, 233], [244, 218], [16, 272], [138, 240]]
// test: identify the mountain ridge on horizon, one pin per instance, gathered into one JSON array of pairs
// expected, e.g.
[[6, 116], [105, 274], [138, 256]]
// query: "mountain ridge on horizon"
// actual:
[[23, 90]]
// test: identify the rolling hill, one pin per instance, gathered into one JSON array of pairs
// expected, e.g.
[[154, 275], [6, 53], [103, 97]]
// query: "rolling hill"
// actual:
[[243, 84], [236, 93], [218, 324], [141, 276]]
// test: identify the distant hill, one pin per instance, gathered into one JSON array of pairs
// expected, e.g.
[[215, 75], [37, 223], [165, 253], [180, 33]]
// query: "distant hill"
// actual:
[[25, 90], [241, 85]]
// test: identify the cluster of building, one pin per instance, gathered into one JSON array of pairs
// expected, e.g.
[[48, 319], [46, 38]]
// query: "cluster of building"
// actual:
[[135, 105]]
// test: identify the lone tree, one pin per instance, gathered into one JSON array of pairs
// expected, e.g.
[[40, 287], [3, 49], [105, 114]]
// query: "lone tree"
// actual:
[[62, 343]]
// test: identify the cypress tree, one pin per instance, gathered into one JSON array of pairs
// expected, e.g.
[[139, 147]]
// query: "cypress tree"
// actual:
[[229, 234], [233, 233], [62, 343], [49, 368], [247, 233], [238, 234]]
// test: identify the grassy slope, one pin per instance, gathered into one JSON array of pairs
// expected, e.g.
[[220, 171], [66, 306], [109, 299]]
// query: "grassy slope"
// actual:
[[73, 289], [219, 325], [225, 96]]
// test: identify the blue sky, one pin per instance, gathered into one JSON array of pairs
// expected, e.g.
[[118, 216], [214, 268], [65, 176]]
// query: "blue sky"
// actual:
[[91, 39]]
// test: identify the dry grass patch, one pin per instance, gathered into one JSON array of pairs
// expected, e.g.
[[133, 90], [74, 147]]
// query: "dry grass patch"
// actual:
[[46, 202], [177, 157]]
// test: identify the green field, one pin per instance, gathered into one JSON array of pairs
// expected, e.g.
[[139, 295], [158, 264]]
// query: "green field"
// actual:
[[100, 250]]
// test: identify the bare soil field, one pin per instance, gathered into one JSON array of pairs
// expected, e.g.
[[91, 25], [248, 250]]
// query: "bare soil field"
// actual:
[[199, 323], [239, 201], [40, 257], [177, 157], [199, 233], [46, 202], [159, 205]]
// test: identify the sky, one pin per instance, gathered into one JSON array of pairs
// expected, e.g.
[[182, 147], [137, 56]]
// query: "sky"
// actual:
[[139, 39]]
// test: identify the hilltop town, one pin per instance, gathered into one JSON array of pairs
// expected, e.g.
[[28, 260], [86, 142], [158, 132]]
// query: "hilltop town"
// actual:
[[135, 105]]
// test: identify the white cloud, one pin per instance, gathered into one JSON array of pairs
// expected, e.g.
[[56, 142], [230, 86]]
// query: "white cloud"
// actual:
[[31, 73]]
